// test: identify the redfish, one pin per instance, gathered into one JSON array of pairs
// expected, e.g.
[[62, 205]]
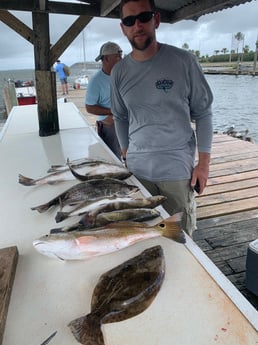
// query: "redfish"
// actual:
[[83, 245]]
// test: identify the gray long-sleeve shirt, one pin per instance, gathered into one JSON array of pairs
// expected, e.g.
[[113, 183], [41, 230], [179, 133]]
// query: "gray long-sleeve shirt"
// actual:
[[153, 103]]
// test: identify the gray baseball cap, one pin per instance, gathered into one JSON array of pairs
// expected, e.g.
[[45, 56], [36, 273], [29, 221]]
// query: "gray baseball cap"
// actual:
[[108, 48]]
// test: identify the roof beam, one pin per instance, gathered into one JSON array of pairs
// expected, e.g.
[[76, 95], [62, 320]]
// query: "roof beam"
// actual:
[[107, 6], [198, 8], [71, 33], [17, 25]]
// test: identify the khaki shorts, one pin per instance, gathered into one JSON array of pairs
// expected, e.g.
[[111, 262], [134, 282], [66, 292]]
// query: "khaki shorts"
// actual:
[[180, 198]]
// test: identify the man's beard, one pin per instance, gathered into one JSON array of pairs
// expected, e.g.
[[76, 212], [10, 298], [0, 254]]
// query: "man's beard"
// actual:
[[143, 45]]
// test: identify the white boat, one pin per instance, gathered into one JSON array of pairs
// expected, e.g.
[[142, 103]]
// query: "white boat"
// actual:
[[81, 82]]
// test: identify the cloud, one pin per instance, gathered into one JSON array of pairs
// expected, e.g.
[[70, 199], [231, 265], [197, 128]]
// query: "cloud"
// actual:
[[211, 32]]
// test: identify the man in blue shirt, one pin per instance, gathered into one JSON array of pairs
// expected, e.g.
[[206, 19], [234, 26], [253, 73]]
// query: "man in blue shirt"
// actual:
[[98, 96], [62, 76]]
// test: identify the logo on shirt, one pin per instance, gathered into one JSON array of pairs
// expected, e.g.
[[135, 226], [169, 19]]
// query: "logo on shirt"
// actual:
[[164, 84]]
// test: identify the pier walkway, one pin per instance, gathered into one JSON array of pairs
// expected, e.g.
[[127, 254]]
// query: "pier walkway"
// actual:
[[227, 212]]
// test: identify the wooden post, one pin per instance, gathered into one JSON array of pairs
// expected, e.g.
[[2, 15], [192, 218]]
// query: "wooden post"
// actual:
[[10, 98], [47, 103], [45, 79], [8, 263]]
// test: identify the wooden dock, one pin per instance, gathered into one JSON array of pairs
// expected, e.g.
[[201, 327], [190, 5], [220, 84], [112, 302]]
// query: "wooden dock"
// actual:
[[227, 212]]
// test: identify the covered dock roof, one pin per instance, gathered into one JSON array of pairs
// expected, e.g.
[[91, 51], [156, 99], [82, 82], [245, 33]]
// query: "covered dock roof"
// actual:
[[46, 52]]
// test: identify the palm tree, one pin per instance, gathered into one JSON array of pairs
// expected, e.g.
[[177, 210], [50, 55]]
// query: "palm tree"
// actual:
[[185, 46], [224, 50], [239, 37]]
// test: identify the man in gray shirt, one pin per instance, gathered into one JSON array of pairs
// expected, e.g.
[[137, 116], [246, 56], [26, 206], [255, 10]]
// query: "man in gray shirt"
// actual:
[[157, 91]]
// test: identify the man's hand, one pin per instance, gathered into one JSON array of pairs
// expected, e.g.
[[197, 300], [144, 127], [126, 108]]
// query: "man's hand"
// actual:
[[201, 172]]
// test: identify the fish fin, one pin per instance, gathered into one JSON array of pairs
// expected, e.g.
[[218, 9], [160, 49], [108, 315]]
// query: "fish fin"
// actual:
[[26, 181], [171, 228], [125, 224], [87, 330], [60, 216], [40, 208], [75, 174]]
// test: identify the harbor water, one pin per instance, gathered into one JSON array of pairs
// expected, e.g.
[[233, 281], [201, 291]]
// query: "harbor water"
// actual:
[[235, 99]]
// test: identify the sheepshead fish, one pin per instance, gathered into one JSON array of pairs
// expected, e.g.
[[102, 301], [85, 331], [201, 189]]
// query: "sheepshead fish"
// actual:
[[93, 209], [132, 214], [90, 170], [86, 207], [89, 190], [83, 245], [121, 293], [150, 202]]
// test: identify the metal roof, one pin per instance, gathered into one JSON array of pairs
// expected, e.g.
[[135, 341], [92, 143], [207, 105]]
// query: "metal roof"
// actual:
[[171, 11]]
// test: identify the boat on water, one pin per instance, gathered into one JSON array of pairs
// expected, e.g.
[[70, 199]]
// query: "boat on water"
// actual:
[[81, 82], [25, 92], [19, 92]]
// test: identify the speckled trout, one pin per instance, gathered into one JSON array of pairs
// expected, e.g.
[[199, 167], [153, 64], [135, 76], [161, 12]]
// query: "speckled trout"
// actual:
[[89, 169]]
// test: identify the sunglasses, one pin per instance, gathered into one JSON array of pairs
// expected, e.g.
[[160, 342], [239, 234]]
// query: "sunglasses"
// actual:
[[143, 17]]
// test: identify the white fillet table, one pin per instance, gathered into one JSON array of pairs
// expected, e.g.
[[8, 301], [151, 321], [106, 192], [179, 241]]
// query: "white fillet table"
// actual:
[[196, 305]]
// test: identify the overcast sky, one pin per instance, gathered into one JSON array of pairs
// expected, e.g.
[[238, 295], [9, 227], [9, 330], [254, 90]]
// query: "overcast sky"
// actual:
[[211, 32]]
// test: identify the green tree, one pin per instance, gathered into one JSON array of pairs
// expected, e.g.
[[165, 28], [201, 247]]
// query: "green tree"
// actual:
[[216, 51], [246, 49], [240, 38], [224, 50], [197, 53], [185, 46]]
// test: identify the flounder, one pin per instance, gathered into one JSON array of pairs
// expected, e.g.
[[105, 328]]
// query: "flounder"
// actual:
[[121, 293]]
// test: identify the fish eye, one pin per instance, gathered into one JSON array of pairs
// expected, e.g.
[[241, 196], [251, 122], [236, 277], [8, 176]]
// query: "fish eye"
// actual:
[[162, 225]]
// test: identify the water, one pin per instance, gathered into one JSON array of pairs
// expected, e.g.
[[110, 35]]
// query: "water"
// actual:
[[29, 74], [235, 103], [235, 98]]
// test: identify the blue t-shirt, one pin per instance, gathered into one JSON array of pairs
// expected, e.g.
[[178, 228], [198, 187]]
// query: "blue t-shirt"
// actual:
[[98, 91], [60, 70]]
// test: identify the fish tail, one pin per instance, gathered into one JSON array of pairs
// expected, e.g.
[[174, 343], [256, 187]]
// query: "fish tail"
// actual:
[[171, 228], [61, 216], [75, 174], [87, 330], [26, 181]]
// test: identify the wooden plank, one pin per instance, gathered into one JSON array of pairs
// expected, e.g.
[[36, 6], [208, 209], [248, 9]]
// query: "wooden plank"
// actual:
[[227, 208], [246, 229], [8, 263], [227, 253], [235, 164], [227, 196], [230, 186], [234, 157], [235, 170], [226, 219], [233, 177]]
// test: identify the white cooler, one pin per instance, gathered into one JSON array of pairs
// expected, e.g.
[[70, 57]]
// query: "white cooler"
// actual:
[[252, 267]]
